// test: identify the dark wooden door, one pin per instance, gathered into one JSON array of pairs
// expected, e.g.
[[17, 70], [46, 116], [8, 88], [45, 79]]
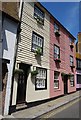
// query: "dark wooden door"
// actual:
[[21, 89], [65, 85], [22, 83]]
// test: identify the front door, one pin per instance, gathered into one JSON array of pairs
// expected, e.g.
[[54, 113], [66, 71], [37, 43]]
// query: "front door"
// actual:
[[22, 82], [65, 85]]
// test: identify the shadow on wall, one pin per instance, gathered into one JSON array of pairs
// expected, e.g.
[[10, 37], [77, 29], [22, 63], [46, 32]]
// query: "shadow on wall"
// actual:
[[11, 27], [38, 58], [4, 43], [57, 65]]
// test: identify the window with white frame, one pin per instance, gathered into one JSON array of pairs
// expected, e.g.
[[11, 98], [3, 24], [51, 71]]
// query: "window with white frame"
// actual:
[[41, 79], [71, 61], [56, 80], [56, 52], [38, 13], [72, 81], [37, 42], [56, 27]]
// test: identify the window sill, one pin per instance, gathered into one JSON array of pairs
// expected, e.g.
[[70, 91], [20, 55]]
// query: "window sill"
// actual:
[[56, 89], [72, 66], [40, 89]]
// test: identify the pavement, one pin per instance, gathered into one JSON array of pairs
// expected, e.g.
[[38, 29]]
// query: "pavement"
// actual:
[[37, 111]]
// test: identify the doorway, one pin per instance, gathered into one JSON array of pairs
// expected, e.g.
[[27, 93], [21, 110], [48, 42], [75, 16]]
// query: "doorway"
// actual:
[[65, 85], [22, 83]]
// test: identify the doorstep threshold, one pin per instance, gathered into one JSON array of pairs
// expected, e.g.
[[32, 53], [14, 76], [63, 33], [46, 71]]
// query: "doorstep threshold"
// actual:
[[21, 106]]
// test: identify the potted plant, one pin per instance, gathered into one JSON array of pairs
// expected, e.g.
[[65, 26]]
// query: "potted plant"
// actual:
[[34, 73], [18, 71], [38, 52]]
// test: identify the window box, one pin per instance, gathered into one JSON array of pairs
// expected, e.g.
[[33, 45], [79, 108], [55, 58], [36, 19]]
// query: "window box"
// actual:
[[71, 45], [18, 71], [57, 34], [38, 52], [57, 60], [72, 66], [34, 73]]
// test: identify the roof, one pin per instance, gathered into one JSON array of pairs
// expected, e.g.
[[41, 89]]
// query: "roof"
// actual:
[[56, 20], [11, 9]]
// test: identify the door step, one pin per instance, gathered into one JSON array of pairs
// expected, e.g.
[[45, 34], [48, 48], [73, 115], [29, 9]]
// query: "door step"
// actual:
[[21, 106]]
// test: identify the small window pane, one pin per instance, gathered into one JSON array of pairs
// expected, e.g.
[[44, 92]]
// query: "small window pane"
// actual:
[[56, 27], [56, 80], [56, 52], [41, 78], [37, 42], [72, 81]]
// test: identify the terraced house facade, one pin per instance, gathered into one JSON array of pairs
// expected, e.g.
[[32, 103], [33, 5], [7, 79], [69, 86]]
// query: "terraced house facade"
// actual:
[[45, 54], [78, 62], [62, 60], [32, 56]]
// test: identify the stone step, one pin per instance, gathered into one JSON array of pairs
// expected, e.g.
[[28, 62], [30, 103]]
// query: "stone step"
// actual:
[[21, 106]]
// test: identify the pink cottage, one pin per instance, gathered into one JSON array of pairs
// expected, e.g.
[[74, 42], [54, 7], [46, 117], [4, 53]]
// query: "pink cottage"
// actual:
[[62, 60]]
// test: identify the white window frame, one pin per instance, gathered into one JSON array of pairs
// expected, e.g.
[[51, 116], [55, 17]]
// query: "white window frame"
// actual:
[[37, 42], [72, 81], [56, 27], [41, 79], [38, 13], [56, 52], [71, 61], [57, 81]]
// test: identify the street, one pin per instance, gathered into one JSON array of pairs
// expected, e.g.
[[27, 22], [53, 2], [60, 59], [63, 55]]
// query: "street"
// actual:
[[70, 110]]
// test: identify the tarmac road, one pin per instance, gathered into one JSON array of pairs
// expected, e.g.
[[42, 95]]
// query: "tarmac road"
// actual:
[[71, 110]]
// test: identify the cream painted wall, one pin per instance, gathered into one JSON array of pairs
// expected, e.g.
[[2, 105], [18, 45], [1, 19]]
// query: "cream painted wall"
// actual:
[[25, 55]]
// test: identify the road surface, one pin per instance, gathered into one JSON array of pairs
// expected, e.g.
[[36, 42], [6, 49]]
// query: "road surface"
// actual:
[[71, 110]]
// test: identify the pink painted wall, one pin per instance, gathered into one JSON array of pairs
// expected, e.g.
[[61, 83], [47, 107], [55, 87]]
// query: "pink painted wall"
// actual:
[[65, 52]]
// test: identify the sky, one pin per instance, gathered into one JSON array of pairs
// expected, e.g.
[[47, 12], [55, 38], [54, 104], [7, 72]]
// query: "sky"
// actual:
[[67, 13]]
